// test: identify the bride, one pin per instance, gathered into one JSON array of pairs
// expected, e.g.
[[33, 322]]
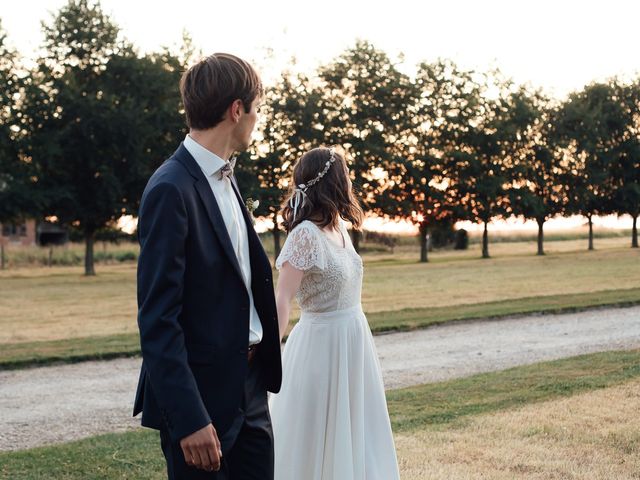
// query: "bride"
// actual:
[[330, 419]]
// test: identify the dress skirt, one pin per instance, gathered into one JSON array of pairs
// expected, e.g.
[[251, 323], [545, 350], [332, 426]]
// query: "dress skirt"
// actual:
[[330, 419]]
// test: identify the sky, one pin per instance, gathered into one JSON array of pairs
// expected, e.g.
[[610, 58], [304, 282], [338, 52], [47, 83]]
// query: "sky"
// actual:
[[558, 45]]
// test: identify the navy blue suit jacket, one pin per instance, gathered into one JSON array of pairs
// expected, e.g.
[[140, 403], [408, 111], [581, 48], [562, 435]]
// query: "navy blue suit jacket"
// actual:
[[193, 306]]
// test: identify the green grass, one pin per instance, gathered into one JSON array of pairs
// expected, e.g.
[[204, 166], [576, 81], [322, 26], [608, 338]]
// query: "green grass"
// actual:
[[412, 318], [26, 354], [439, 404], [136, 454], [133, 455], [398, 282], [20, 355]]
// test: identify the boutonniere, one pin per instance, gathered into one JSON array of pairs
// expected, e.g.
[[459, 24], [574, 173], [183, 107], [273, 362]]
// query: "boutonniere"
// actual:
[[251, 205]]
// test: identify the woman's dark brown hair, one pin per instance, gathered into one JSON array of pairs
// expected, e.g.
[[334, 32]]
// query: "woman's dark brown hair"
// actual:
[[210, 86], [326, 200]]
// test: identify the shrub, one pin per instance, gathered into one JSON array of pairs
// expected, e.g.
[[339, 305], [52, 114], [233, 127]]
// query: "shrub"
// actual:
[[462, 240]]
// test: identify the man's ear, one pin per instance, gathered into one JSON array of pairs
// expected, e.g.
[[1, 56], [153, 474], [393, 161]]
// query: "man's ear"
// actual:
[[235, 110]]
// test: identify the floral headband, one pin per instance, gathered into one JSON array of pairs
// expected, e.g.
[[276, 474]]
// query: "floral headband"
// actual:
[[299, 196]]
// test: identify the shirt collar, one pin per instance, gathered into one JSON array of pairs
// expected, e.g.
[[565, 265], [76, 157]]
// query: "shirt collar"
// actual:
[[208, 161]]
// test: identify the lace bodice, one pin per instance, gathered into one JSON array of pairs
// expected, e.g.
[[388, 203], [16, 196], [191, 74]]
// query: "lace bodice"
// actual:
[[332, 277]]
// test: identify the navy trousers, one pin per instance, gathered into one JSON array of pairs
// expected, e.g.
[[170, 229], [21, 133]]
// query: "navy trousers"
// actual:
[[247, 447]]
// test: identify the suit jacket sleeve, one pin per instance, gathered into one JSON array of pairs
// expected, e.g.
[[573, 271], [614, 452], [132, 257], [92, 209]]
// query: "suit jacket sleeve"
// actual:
[[163, 227]]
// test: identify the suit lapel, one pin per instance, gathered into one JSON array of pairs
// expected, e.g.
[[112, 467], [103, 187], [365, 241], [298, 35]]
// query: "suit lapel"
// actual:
[[215, 215], [210, 205]]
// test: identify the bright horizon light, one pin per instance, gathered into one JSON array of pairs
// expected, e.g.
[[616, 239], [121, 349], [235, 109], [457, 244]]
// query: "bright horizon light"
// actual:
[[374, 223]]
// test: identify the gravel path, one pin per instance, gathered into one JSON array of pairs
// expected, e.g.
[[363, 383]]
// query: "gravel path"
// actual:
[[47, 405]]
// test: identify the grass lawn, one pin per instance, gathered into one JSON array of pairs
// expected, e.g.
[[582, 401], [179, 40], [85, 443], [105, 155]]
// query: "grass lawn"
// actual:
[[589, 436], [570, 418], [456, 278], [57, 313]]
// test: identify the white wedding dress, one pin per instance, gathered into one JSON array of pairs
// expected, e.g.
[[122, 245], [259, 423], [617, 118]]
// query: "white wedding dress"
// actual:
[[330, 419]]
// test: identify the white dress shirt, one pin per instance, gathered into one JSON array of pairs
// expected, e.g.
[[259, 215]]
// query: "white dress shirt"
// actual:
[[223, 192]]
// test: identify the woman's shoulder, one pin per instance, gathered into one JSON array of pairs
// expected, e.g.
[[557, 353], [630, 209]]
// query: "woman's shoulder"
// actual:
[[303, 248], [305, 232], [305, 226], [308, 228]]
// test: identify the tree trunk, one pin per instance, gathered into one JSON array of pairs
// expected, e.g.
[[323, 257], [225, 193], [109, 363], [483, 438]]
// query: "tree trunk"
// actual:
[[355, 239], [89, 237], [276, 238], [590, 232], [634, 232], [423, 231], [540, 236], [2, 259], [485, 241]]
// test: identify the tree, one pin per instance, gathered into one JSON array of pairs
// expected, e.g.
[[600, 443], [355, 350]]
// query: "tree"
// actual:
[[478, 166], [365, 100], [12, 170], [17, 196], [626, 169], [591, 126], [444, 104], [290, 126], [537, 192], [100, 120]]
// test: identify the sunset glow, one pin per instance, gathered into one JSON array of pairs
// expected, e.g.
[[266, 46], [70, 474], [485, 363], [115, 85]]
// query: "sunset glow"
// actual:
[[403, 227]]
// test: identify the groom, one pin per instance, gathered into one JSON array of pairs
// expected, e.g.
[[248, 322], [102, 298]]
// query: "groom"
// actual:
[[207, 314]]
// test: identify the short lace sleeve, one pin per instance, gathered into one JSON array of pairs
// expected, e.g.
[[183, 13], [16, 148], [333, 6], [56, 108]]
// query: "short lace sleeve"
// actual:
[[303, 249]]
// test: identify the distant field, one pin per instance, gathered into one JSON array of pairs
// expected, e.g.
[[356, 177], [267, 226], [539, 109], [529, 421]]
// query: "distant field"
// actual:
[[581, 233], [72, 254], [38, 304], [462, 277]]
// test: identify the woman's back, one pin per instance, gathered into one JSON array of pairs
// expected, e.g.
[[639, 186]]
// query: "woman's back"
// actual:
[[332, 273]]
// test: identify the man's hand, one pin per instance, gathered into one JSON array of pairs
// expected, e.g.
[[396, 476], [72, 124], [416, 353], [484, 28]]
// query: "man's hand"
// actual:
[[202, 449]]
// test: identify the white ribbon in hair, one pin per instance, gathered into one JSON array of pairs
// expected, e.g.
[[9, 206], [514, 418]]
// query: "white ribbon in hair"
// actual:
[[298, 199]]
